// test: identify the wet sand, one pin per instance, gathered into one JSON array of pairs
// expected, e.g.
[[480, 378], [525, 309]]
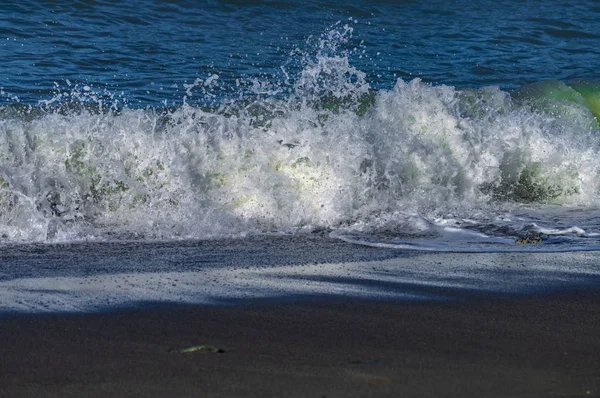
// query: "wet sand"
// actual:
[[536, 346]]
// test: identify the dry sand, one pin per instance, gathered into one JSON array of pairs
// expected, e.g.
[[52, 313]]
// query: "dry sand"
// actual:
[[540, 346]]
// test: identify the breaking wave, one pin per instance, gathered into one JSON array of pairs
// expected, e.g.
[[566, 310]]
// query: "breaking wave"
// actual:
[[321, 150]]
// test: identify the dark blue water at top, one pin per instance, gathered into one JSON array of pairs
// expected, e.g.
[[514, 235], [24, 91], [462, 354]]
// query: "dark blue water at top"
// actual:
[[145, 52]]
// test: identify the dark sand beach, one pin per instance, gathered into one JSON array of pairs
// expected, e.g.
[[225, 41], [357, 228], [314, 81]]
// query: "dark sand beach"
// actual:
[[536, 346]]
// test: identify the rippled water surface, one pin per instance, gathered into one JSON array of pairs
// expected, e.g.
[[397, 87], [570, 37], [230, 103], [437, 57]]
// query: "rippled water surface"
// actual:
[[149, 50]]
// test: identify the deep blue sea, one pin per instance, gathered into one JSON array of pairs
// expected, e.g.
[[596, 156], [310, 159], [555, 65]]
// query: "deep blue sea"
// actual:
[[461, 126]]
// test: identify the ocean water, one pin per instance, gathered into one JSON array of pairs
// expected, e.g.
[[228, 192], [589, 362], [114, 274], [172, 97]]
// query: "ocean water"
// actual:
[[229, 150], [435, 126]]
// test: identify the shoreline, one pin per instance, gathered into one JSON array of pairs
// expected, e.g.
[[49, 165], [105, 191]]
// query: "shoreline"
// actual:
[[91, 277], [534, 345]]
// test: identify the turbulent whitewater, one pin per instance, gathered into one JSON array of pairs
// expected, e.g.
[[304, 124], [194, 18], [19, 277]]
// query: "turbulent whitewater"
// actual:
[[334, 154]]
